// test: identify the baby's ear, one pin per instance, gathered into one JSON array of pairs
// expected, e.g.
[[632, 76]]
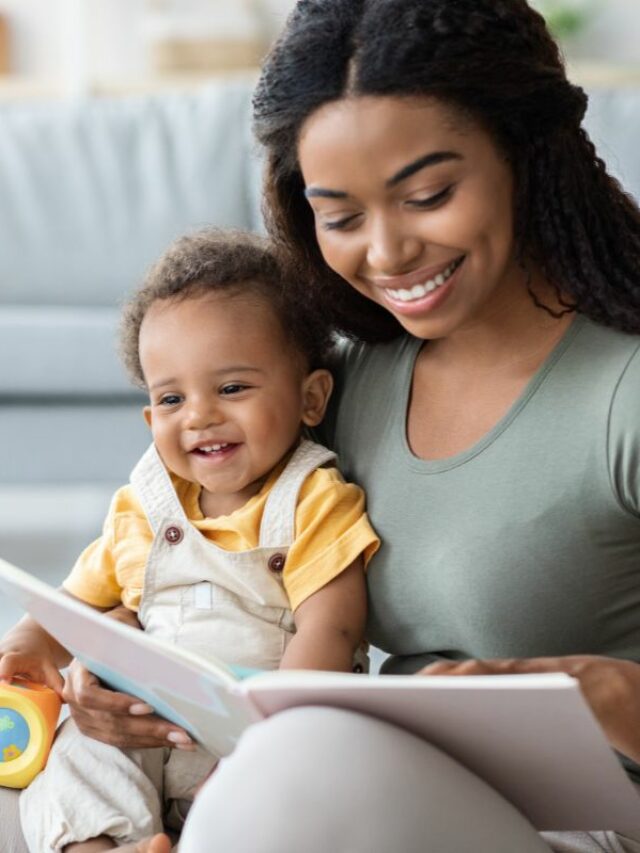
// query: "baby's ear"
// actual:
[[316, 390], [146, 414]]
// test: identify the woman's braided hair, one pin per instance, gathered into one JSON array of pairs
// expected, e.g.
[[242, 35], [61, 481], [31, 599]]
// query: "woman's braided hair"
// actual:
[[493, 60]]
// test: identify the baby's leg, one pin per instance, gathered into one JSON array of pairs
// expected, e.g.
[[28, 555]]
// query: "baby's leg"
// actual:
[[184, 773], [92, 792], [157, 844]]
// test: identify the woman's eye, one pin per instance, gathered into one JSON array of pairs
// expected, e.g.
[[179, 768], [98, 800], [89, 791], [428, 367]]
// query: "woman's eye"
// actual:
[[339, 224], [432, 200], [232, 388], [170, 400]]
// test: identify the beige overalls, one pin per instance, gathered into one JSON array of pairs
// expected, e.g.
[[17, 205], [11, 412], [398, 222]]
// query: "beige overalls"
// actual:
[[202, 598]]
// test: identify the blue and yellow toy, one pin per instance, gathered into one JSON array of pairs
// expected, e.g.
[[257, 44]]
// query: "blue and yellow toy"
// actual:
[[28, 717]]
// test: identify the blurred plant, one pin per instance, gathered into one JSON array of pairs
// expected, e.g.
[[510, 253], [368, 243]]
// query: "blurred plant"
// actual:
[[566, 18]]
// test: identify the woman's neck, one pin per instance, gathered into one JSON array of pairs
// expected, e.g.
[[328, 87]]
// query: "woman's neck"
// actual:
[[515, 333]]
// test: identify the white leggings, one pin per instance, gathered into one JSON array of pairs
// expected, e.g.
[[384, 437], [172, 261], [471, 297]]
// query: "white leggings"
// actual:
[[319, 779]]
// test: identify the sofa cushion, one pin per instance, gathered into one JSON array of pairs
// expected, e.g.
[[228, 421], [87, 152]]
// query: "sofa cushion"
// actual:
[[94, 189], [57, 351]]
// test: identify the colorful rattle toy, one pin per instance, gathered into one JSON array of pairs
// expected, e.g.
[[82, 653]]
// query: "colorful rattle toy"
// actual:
[[28, 717]]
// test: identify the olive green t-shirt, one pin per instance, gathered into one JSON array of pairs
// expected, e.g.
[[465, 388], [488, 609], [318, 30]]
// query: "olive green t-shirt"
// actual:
[[527, 543]]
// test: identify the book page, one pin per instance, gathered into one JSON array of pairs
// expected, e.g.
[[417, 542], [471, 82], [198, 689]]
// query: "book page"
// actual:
[[531, 737], [182, 687]]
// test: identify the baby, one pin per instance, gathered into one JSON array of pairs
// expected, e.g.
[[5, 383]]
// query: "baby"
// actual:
[[235, 537]]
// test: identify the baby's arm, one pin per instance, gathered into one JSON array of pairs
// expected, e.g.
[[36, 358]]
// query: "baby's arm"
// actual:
[[29, 651], [330, 624]]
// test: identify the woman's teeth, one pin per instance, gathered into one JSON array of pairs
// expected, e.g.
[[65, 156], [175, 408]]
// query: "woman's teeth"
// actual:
[[419, 291]]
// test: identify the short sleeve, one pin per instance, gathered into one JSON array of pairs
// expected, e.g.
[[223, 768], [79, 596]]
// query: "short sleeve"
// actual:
[[624, 437], [93, 577], [110, 571], [332, 530]]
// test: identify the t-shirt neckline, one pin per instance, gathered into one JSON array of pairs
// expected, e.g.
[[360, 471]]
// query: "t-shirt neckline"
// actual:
[[436, 466]]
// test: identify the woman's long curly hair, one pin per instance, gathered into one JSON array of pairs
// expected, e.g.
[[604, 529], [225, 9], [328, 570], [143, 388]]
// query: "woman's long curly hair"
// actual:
[[496, 62]]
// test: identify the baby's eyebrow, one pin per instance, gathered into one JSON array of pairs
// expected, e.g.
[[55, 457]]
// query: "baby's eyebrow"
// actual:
[[240, 368], [161, 384]]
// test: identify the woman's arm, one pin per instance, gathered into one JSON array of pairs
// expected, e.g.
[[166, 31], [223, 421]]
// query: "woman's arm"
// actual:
[[610, 686], [330, 624]]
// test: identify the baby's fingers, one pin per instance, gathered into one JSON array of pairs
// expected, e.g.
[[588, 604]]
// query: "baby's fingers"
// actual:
[[15, 664], [53, 679]]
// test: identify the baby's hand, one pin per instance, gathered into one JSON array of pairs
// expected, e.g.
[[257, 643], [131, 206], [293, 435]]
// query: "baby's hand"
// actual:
[[31, 664]]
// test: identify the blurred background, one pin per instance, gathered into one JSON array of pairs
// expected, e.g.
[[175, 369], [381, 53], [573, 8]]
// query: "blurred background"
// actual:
[[124, 123]]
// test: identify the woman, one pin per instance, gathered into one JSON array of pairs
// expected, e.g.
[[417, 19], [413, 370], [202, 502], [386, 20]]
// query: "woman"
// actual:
[[428, 171], [427, 168]]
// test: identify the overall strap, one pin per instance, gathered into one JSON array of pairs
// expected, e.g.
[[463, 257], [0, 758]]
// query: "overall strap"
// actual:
[[277, 528], [154, 489]]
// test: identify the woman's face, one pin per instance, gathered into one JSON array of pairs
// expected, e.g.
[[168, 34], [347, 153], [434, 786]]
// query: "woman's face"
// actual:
[[413, 206]]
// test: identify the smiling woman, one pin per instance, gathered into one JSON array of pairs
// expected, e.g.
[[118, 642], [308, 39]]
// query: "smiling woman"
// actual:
[[423, 224], [428, 171]]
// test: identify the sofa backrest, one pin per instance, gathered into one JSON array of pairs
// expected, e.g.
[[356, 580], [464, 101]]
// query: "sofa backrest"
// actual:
[[92, 190]]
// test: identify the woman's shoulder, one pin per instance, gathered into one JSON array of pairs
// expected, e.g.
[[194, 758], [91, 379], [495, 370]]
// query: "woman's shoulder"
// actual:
[[608, 359], [357, 359]]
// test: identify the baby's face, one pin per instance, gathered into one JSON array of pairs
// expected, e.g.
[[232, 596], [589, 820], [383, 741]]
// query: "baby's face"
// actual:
[[227, 394]]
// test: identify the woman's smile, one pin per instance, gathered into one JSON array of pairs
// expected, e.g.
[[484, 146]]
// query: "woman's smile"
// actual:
[[420, 291], [413, 206]]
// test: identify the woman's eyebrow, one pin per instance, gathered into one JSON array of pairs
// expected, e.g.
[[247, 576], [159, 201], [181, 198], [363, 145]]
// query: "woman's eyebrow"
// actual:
[[421, 163], [410, 169], [320, 192]]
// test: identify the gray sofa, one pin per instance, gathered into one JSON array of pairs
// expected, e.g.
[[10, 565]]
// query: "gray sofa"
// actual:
[[90, 192]]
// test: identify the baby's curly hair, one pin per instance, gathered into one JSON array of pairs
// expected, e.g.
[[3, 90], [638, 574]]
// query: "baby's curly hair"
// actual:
[[214, 261]]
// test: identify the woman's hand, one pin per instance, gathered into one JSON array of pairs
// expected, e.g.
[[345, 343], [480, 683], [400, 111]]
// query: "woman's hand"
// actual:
[[610, 686], [116, 718]]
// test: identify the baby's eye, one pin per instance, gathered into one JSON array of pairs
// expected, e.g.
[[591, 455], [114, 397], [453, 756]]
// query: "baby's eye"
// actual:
[[170, 400], [232, 388]]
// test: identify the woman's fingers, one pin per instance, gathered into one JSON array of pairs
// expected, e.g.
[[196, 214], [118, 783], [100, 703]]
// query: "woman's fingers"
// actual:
[[610, 686], [82, 688], [131, 732], [116, 718]]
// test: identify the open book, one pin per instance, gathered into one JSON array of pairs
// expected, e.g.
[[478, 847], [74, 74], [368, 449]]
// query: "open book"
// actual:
[[531, 737]]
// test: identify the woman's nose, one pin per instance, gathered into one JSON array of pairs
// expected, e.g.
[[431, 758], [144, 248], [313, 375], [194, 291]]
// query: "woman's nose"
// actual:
[[391, 248]]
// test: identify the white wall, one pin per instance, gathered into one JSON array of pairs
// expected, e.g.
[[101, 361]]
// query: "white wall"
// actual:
[[613, 35], [44, 45]]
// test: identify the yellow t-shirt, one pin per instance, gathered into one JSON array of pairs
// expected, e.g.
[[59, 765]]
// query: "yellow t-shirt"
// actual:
[[332, 530]]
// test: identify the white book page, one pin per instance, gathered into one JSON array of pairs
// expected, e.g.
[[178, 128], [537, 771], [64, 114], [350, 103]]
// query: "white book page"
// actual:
[[531, 737], [182, 687]]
